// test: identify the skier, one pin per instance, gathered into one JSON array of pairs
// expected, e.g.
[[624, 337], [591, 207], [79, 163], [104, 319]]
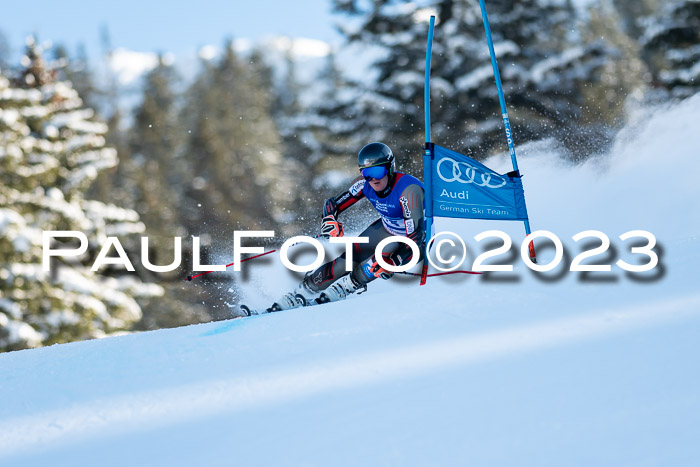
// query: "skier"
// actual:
[[398, 198]]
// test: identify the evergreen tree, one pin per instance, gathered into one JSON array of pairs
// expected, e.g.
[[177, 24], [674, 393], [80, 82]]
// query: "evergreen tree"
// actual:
[[238, 177], [548, 73], [293, 119], [628, 13], [77, 71], [51, 150], [4, 52], [333, 135], [543, 69], [286, 101], [389, 107], [157, 172], [262, 71], [671, 48], [156, 141], [620, 80], [118, 185], [336, 130]]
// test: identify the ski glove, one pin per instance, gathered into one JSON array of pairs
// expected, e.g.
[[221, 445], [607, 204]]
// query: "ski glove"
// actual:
[[372, 268], [330, 227]]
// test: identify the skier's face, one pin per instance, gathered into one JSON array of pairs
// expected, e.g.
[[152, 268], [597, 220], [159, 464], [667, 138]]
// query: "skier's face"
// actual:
[[379, 184]]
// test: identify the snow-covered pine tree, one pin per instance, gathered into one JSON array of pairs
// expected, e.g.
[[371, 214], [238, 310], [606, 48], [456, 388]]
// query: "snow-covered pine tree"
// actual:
[[334, 126], [291, 119], [77, 70], [543, 68], [546, 69], [629, 12], [388, 104], [237, 169], [620, 80], [312, 126], [51, 150], [156, 143], [331, 124], [4, 52], [157, 170], [671, 48]]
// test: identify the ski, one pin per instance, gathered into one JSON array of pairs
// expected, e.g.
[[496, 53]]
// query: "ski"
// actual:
[[300, 302], [339, 290], [300, 299]]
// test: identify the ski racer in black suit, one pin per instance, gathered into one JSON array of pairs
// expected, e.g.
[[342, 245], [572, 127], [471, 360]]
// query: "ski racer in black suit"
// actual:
[[398, 198]]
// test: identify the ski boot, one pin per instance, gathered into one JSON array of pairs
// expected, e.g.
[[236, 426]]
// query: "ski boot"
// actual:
[[340, 289], [304, 293], [287, 302]]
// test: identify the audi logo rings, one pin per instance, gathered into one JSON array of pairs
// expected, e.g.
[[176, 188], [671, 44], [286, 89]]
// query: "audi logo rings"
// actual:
[[468, 173]]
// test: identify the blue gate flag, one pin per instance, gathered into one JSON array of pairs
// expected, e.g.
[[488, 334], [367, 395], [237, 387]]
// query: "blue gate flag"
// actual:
[[465, 188]]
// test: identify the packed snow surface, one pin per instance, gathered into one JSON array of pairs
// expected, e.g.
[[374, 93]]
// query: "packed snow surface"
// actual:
[[507, 368]]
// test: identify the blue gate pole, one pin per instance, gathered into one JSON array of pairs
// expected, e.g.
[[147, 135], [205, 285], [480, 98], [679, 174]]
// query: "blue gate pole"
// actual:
[[504, 111], [428, 154]]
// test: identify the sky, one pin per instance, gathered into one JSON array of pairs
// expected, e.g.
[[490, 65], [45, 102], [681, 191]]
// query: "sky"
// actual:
[[177, 26]]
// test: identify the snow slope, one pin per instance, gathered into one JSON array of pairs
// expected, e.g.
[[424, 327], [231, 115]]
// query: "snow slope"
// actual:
[[518, 368]]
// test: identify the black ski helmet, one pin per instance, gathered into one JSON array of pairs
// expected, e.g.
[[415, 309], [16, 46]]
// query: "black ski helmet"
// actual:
[[375, 154]]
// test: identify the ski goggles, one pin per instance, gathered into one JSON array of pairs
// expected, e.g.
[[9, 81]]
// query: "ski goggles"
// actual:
[[377, 172]]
